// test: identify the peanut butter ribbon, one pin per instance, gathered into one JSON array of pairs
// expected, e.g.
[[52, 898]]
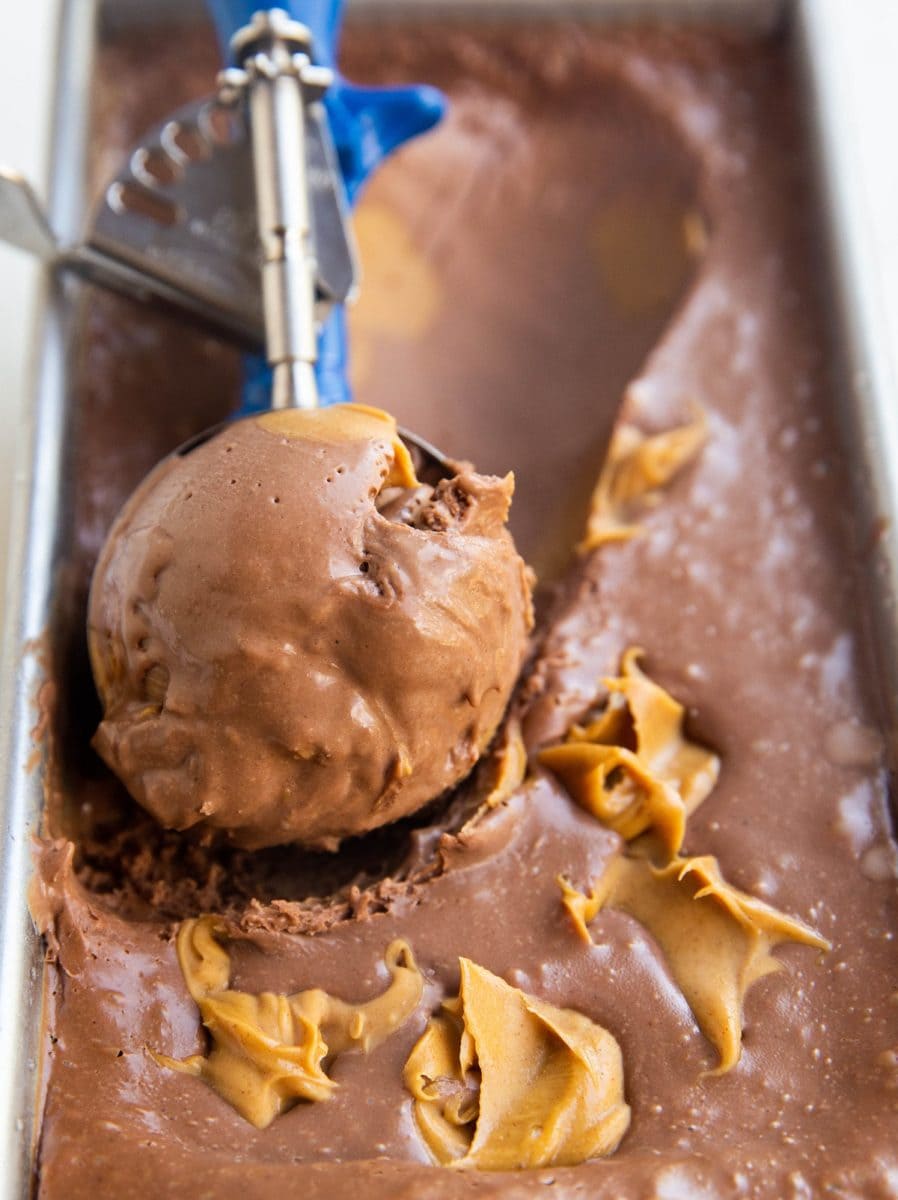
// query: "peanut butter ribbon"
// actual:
[[270, 1050]]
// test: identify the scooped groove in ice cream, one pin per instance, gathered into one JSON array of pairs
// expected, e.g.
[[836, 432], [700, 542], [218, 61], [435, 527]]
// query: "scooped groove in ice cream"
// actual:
[[294, 639]]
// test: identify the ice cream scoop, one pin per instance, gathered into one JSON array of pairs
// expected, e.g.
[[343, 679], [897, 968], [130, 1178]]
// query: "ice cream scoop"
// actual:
[[294, 639]]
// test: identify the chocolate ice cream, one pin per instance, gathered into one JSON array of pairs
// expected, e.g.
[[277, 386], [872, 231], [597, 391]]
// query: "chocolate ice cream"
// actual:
[[517, 317], [294, 639]]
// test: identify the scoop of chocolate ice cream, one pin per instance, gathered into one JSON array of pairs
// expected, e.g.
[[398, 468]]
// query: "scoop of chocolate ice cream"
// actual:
[[296, 641]]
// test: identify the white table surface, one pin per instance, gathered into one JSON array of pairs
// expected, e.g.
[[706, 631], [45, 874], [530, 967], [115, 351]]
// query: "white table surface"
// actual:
[[869, 53]]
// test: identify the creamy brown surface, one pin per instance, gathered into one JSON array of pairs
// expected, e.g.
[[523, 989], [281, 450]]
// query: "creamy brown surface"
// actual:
[[295, 639], [744, 588]]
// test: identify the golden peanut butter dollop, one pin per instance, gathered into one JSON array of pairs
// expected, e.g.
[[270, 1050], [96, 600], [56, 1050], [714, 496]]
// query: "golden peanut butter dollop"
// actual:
[[635, 770], [268, 1051], [638, 465], [717, 940], [502, 1081], [294, 639], [633, 766], [506, 769]]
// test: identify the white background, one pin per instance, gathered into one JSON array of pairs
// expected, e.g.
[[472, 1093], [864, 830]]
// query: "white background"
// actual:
[[868, 61]]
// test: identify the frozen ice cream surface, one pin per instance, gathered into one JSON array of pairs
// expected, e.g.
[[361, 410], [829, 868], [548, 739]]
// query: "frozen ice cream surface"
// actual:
[[294, 639], [504, 326]]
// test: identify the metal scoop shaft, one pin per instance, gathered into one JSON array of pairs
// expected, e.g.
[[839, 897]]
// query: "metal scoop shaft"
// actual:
[[281, 85], [279, 82]]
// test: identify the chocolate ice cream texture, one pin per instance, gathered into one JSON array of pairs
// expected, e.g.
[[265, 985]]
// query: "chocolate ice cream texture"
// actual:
[[295, 640], [648, 832]]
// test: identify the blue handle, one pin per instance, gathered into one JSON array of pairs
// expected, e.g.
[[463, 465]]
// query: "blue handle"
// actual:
[[367, 124]]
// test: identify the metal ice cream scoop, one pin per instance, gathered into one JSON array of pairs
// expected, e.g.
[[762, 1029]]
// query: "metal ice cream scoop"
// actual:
[[281, 88], [302, 220], [183, 220], [275, 76], [366, 125]]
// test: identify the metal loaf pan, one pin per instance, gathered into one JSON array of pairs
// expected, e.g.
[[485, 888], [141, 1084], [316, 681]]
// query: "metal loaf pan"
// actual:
[[43, 485]]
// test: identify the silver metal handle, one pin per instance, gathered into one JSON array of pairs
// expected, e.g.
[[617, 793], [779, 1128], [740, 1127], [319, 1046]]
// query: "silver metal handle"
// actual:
[[278, 80]]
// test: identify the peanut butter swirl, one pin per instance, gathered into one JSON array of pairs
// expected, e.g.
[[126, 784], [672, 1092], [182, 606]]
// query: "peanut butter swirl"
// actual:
[[717, 940], [502, 1080], [637, 467], [347, 423], [634, 769], [269, 1050], [504, 771], [633, 766], [510, 765]]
